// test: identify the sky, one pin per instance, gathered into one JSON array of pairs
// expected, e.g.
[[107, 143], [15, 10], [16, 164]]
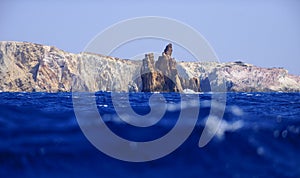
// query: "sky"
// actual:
[[264, 33]]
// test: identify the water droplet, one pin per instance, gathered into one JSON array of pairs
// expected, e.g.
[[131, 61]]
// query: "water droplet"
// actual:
[[42, 150], [260, 151], [276, 133], [284, 133], [279, 119]]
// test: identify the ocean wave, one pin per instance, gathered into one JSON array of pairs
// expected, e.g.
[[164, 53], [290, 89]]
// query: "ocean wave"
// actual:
[[258, 135]]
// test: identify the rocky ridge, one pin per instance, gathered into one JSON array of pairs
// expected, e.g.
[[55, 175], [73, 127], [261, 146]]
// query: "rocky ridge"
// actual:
[[33, 67]]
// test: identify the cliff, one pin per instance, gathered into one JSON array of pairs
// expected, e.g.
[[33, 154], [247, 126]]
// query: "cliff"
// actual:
[[33, 67]]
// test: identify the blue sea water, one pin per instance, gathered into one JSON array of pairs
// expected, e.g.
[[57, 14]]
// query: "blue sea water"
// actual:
[[259, 136]]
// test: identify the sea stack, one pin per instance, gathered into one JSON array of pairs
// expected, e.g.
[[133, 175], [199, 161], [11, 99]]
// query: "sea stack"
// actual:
[[160, 75]]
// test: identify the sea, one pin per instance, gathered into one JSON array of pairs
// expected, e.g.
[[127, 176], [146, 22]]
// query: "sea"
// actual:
[[258, 135]]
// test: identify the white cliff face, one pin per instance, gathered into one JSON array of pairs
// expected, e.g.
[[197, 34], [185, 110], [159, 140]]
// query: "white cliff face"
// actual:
[[32, 67], [243, 77], [104, 73]]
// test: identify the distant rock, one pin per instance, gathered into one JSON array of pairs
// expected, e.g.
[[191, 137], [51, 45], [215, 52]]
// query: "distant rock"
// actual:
[[33, 67]]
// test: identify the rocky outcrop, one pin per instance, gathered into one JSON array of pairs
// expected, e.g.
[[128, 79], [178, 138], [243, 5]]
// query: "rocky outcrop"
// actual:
[[161, 75], [33, 67], [242, 77]]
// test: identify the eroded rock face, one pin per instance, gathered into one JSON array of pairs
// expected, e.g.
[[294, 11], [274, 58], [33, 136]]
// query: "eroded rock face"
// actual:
[[242, 77], [168, 51], [159, 76], [162, 75], [32, 67]]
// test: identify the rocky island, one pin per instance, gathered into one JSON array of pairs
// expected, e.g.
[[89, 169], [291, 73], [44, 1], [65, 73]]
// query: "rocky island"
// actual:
[[33, 67]]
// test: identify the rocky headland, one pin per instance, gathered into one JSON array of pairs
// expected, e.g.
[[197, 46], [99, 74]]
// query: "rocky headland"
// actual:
[[39, 68]]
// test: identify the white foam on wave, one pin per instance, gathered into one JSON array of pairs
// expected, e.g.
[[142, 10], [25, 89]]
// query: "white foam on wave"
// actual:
[[220, 126], [236, 110], [190, 91], [182, 105], [102, 105]]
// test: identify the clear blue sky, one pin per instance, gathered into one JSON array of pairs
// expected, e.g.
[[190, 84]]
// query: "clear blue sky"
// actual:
[[265, 33]]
